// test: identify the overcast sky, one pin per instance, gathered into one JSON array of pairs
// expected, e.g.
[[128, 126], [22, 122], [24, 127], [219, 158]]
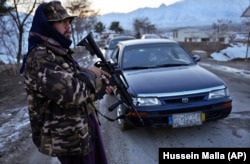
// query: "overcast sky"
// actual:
[[123, 6]]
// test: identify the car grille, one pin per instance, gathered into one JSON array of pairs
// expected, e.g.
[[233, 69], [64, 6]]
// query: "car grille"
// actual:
[[178, 100]]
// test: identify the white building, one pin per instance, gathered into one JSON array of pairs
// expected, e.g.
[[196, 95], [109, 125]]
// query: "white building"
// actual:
[[197, 35]]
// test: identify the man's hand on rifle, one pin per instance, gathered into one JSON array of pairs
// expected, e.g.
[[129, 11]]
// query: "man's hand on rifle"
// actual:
[[103, 76], [99, 72], [110, 89]]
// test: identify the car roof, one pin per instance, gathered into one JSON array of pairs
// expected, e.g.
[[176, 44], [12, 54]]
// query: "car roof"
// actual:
[[123, 37], [150, 35], [146, 41]]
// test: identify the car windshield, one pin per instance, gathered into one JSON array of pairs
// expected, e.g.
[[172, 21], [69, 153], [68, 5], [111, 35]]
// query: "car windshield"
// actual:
[[155, 56]]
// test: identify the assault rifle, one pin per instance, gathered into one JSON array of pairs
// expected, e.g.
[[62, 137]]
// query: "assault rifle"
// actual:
[[117, 78]]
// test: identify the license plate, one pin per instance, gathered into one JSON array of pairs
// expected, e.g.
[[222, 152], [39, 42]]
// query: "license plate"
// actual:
[[186, 119]]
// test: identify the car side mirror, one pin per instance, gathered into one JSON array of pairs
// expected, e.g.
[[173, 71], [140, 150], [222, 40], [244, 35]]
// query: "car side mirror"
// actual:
[[196, 58]]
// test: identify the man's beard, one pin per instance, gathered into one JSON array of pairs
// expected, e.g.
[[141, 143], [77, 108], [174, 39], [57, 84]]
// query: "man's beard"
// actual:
[[67, 34]]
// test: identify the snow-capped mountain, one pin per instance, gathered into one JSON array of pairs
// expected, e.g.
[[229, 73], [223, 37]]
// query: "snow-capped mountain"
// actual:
[[183, 13]]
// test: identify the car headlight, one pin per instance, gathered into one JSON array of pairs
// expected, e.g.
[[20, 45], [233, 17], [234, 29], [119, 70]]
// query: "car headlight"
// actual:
[[218, 94], [146, 101]]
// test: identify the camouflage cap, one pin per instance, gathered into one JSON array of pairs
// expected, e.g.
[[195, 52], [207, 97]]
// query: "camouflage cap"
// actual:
[[54, 11]]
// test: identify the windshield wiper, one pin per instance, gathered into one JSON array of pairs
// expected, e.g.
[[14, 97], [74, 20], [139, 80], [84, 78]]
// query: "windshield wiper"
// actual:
[[155, 66], [136, 67], [171, 65]]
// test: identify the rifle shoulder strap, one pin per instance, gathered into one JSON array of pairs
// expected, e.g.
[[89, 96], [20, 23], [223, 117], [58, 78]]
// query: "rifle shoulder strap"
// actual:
[[108, 118]]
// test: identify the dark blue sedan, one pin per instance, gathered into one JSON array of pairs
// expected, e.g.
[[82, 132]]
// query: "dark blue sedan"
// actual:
[[167, 86]]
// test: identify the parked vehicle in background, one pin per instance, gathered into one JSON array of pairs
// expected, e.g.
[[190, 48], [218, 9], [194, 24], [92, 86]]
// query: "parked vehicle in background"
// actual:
[[168, 87], [112, 42], [150, 36]]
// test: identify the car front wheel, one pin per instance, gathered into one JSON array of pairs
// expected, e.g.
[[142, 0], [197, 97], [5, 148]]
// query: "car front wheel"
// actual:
[[121, 122]]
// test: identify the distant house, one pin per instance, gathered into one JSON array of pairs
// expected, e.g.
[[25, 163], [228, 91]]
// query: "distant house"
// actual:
[[190, 34]]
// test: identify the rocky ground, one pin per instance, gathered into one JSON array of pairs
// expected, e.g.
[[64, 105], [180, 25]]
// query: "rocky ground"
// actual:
[[13, 101]]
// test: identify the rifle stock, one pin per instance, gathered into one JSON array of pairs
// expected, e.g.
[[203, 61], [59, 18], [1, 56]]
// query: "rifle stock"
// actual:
[[117, 79]]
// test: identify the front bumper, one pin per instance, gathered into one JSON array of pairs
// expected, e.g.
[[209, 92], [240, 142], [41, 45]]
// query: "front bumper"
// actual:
[[163, 118]]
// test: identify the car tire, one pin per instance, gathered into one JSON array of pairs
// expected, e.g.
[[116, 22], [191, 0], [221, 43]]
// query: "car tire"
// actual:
[[121, 110]]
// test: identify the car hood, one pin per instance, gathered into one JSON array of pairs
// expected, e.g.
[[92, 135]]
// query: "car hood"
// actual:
[[170, 79]]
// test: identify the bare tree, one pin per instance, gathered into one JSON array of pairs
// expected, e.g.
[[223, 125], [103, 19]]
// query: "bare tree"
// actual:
[[246, 23], [7, 52], [86, 18], [4, 9], [143, 25], [22, 9], [219, 29], [99, 27], [223, 25], [115, 26]]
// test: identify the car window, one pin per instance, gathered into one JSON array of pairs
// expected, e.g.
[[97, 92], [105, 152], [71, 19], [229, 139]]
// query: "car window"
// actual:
[[107, 41], [113, 43], [150, 36], [114, 55]]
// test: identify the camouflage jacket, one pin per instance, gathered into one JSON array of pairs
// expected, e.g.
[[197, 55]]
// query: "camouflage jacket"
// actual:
[[58, 101]]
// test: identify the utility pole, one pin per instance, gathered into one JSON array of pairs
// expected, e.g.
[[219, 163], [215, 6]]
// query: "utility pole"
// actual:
[[246, 13], [247, 46]]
